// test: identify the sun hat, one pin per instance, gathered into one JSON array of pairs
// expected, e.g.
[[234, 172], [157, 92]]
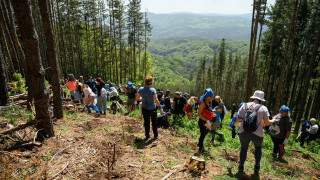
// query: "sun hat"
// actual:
[[258, 95], [130, 84], [284, 108], [313, 120]]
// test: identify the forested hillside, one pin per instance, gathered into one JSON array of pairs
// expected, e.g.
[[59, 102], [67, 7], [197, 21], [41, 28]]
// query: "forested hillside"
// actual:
[[207, 26], [175, 61]]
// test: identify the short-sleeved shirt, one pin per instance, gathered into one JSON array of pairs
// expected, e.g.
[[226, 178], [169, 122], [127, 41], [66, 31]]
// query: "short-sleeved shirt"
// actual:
[[304, 127], [72, 85], [314, 129], [179, 105], [280, 127], [131, 92], [261, 113], [147, 97]]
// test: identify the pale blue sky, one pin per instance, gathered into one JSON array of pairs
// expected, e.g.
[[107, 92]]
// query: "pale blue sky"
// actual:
[[199, 6]]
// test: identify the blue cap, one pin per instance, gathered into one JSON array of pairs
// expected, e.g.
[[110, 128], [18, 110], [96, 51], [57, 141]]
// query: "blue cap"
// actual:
[[130, 84], [208, 93], [241, 104], [181, 93], [284, 108], [112, 88]]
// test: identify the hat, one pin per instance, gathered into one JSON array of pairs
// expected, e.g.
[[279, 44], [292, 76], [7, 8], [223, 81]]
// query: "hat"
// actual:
[[313, 120], [112, 88], [90, 77], [258, 95], [177, 93], [303, 120], [208, 93], [180, 93], [130, 84], [284, 108], [241, 104]]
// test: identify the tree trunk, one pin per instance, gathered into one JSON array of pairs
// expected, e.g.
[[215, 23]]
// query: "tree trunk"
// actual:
[[29, 38], [316, 104], [74, 70], [62, 41], [7, 53], [53, 60], [249, 80], [8, 39], [284, 63], [307, 81], [4, 96]]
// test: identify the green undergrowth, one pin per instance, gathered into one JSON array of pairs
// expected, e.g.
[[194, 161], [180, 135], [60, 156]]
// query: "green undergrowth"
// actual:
[[232, 146]]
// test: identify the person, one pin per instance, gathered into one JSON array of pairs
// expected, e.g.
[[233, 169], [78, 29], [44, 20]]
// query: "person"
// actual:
[[149, 103], [231, 125], [233, 109], [256, 136], [190, 106], [90, 99], [303, 133], [217, 111], [102, 93], [92, 85], [138, 102], [167, 101], [159, 95], [131, 92], [280, 131], [81, 80], [72, 85], [313, 130], [218, 102], [179, 104], [186, 95], [114, 96], [163, 120], [205, 102]]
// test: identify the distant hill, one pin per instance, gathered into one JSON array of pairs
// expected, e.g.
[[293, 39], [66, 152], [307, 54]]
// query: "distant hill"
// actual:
[[195, 26]]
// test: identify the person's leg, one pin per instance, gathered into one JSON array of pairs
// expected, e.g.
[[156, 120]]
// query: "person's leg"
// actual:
[[88, 109], [154, 123], [281, 150], [203, 133], [257, 141], [244, 141], [99, 104], [275, 146], [146, 117], [303, 137], [96, 108], [104, 102], [233, 132]]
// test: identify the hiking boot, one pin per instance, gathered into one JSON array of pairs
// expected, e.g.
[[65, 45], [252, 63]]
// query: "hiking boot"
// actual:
[[255, 175], [104, 113]]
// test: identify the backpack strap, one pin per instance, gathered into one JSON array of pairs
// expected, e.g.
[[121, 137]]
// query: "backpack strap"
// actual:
[[246, 106], [257, 107]]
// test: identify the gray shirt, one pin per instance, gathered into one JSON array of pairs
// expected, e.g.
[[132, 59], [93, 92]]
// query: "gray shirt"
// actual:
[[261, 113]]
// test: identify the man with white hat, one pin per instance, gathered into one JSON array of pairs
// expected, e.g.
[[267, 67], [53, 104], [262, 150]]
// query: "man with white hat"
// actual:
[[255, 135]]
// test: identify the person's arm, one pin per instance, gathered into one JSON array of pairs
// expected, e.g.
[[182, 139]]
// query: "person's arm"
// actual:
[[268, 122], [63, 86], [184, 107], [138, 97], [156, 99], [288, 134], [173, 103], [200, 109]]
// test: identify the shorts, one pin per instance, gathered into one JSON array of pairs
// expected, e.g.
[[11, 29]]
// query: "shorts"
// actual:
[[130, 102]]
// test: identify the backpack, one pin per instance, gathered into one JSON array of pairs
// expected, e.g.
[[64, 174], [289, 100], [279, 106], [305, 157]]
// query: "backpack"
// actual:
[[250, 119], [188, 108]]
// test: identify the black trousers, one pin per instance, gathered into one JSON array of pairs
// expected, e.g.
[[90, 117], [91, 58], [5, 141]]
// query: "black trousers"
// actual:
[[147, 114], [203, 132], [278, 146]]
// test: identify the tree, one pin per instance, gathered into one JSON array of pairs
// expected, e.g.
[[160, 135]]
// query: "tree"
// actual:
[[53, 60], [4, 96], [29, 38]]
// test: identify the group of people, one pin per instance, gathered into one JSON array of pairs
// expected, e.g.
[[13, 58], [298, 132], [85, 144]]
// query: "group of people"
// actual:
[[254, 117]]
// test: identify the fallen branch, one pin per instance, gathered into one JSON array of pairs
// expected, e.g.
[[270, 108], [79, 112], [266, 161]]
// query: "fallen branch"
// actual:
[[167, 176], [22, 155], [21, 126], [61, 170]]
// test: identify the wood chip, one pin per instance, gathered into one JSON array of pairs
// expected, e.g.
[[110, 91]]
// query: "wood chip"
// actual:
[[167, 176]]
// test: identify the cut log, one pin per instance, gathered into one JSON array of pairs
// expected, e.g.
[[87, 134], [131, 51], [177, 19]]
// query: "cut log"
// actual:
[[195, 162]]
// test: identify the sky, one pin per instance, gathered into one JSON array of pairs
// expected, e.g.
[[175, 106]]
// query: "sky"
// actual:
[[199, 6]]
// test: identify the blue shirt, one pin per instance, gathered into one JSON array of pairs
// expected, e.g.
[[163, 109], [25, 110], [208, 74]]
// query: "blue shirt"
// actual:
[[147, 97], [218, 114]]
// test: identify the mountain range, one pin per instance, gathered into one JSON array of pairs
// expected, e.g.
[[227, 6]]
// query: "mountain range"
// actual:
[[195, 26]]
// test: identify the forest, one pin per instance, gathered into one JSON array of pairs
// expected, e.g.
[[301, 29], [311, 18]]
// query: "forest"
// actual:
[[46, 134]]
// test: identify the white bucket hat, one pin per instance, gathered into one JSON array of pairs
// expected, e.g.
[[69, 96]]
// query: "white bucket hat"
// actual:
[[258, 95]]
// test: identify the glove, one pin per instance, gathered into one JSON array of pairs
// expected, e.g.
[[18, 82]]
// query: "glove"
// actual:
[[285, 141], [208, 125]]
